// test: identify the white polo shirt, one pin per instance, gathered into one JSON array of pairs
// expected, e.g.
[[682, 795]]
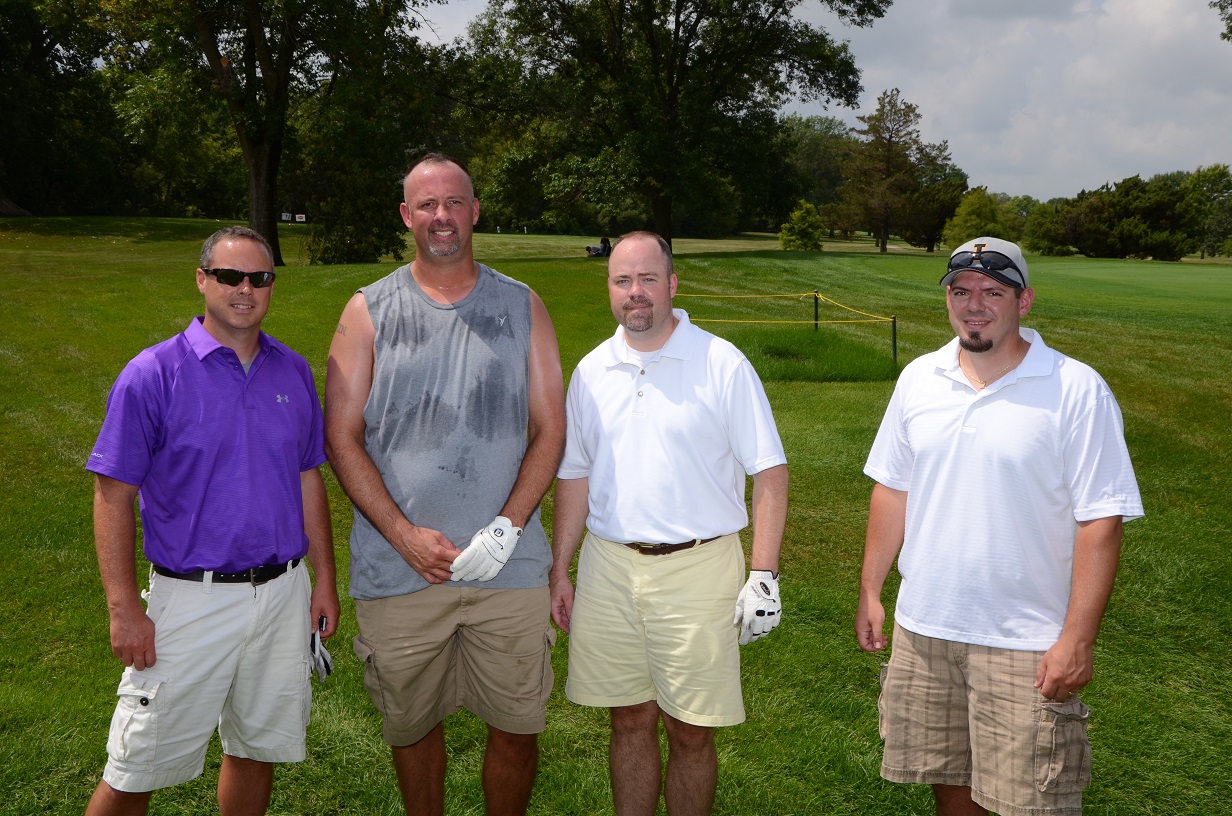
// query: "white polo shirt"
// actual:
[[997, 481], [666, 438]]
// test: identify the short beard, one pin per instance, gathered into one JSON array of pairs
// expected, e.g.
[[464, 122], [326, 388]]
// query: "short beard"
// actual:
[[976, 345], [438, 251]]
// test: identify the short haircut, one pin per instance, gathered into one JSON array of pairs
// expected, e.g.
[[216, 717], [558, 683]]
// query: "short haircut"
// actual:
[[664, 247], [437, 157], [233, 233]]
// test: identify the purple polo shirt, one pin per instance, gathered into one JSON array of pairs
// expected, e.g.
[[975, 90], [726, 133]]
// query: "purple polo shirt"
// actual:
[[217, 454]]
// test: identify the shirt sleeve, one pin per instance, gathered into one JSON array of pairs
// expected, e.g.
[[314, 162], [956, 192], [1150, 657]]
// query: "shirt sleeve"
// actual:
[[890, 461], [314, 449], [132, 428], [1098, 471], [750, 422], [576, 462]]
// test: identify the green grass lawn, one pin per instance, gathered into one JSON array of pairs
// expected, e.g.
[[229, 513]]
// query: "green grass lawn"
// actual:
[[81, 296]]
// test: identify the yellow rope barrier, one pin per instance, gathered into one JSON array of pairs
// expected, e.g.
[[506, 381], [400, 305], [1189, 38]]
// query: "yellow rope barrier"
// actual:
[[817, 295], [809, 322]]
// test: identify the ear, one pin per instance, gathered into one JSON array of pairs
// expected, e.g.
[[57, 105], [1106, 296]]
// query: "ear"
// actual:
[[200, 281], [672, 283], [405, 212], [474, 212], [1025, 301]]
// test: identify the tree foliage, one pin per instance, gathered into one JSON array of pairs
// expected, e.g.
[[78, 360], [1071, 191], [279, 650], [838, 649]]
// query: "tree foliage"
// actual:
[[1224, 7], [356, 130], [62, 149], [681, 90], [803, 229], [1156, 219], [890, 163]]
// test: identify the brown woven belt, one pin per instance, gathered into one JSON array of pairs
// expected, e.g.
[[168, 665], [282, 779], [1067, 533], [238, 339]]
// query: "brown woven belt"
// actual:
[[664, 549]]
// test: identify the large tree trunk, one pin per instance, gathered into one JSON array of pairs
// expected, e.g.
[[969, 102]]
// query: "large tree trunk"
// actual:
[[262, 163], [883, 239], [661, 208]]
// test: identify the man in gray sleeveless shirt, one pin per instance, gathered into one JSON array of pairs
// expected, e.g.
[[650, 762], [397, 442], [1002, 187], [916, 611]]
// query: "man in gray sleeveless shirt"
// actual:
[[445, 423]]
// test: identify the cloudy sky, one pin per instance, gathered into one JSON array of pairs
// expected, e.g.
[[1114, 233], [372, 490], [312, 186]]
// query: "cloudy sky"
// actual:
[[1038, 97]]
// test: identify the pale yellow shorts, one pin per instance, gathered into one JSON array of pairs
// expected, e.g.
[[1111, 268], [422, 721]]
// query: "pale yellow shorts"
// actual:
[[445, 647], [658, 627], [959, 714]]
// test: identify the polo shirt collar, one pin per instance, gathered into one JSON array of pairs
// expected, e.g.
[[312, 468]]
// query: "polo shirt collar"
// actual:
[[1038, 362], [679, 345], [204, 344]]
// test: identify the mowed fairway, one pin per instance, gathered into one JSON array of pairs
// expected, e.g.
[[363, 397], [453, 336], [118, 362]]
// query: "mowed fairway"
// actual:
[[82, 296]]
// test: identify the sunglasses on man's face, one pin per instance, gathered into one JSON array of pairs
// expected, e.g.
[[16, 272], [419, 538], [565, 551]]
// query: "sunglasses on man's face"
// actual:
[[988, 259], [234, 277]]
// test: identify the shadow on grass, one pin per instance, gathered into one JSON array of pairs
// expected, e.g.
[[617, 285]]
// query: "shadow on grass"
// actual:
[[804, 355], [135, 229]]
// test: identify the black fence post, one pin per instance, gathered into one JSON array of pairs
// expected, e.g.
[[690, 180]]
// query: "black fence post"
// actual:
[[894, 338]]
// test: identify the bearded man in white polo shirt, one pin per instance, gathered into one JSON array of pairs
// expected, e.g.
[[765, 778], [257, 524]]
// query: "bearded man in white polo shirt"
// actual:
[[1002, 475], [664, 423]]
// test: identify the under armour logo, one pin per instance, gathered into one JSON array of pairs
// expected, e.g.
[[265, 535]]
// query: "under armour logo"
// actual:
[[501, 320], [283, 397]]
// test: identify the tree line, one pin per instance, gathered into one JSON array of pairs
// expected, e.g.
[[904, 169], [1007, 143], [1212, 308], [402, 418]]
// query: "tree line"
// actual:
[[576, 116]]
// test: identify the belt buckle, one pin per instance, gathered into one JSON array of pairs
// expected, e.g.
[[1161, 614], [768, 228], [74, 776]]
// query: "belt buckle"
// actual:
[[252, 577]]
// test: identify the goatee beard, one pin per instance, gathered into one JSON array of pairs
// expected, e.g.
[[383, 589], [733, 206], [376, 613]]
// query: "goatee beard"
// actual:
[[976, 344]]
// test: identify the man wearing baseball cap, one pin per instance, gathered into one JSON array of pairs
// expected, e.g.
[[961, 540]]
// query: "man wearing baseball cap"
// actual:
[[1002, 481]]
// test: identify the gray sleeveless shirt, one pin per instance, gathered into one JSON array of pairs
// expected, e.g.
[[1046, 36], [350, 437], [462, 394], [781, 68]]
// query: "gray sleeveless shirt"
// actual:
[[446, 424]]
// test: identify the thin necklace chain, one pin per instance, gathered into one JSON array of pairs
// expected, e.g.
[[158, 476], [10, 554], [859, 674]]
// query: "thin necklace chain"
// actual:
[[984, 383]]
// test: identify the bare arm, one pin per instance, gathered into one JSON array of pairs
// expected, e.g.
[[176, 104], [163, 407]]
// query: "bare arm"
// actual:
[[546, 429], [769, 517], [115, 538], [348, 381], [887, 522], [320, 551], [569, 513], [1066, 667]]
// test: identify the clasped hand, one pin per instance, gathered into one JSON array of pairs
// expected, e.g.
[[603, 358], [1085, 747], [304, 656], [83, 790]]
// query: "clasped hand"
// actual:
[[488, 551]]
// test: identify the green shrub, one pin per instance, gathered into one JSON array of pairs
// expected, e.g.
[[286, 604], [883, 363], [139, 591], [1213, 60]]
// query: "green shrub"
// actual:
[[803, 229]]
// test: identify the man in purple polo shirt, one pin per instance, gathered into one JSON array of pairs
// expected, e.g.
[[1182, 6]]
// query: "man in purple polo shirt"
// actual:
[[218, 433]]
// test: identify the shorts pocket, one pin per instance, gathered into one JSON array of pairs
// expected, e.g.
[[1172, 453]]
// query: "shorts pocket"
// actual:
[[133, 738], [1062, 750], [549, 677], [306, 691], [881, 702], [372, 676]]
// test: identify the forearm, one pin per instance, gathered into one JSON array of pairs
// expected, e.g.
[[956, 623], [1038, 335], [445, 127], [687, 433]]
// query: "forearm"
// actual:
[[569, 512], [115, 539], [362, 482], [887, 519], [546, 428], [1097, 552], [542, 457], [769, 517], [318, 528]]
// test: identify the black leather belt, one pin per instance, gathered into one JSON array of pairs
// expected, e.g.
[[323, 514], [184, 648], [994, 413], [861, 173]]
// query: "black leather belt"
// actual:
[[254, 575], [664, 549]]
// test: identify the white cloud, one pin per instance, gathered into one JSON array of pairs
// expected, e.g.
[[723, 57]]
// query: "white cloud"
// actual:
[[1043, 97], [1052, 97]]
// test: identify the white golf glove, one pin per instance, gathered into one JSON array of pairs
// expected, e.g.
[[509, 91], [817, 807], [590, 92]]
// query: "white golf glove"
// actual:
[[758, 608], [488, 551], [321, 661]]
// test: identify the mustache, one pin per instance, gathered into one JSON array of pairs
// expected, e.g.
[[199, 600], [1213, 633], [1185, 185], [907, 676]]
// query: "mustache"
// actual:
[[638, 301]]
